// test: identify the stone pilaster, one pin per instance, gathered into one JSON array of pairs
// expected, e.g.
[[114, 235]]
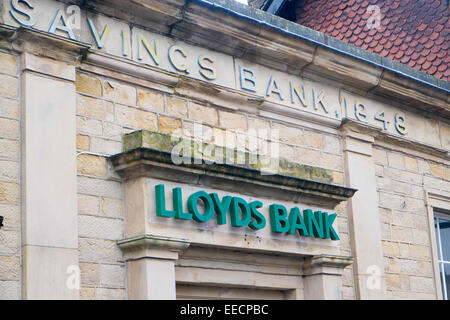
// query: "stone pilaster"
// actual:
[[151, 266], [363, 210], [323, 277], [49, 169]]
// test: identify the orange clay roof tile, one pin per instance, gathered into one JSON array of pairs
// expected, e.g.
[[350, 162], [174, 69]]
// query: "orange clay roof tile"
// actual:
[[413, 32]]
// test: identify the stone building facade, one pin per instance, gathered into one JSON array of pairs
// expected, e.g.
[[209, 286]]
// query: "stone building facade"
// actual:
[[96, 95]]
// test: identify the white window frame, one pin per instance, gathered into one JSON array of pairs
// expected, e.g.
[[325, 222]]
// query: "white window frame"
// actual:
[[438, 204], [441, 262]]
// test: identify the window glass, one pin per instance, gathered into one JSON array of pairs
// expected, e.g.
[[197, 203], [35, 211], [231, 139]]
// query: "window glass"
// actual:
[[444, 228], [447, 280]]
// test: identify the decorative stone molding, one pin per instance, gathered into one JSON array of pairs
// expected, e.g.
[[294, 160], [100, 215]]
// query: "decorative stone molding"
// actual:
[[326, 264], [148, 154], [150, 246]]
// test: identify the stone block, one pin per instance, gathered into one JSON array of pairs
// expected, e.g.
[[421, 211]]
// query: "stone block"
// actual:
[[9, 192], [396, 160], [411, 164], [99, 250], [112, 207], [9, 108], [9, 86], [112, 275], [99, 187], [9, 268], [89, 126], [91, 165], [170, 125], [112, 131], [83, 142], [8, 63], [95, 108], [176, 107], [438, 171], [313, 139], [232, 121], [203, 114], [9, 128], [90, 274], [136, 118], [10, 290], [119, 93], [88, 84], [290, 135], [380, 156], [150, 100], [105, 146], [100, 227], [89, 205], [9, 170]]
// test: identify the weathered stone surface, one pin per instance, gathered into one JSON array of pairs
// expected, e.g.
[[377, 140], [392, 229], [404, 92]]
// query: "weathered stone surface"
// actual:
[[9, 170], [88, 204], [95, 108], [9, 268], [100, 228], [136, 118], [203, 114], [9, 128], [90, 273], [176, 107], [380, 156], [313, 139], [8, 63], [89, 126], [83, 142], [119, 93], [150, 100], [112, 131], [88, 84], [438, 170], [105, 146], [232, 121], [289, 135], [112, 275], [9, 86], [395, 160], [112, 207], [91, 165], [411, 164], [99, 250], [9, 108], [9, 192], [169, 125]]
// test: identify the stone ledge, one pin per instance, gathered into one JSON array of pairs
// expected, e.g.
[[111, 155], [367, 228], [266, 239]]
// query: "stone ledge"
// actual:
[[148, 154]]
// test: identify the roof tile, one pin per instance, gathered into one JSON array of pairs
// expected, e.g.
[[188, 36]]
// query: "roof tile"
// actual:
[[412, 32]]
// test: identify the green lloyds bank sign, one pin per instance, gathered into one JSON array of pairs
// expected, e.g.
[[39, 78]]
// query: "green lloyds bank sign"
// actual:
[[240, 213]]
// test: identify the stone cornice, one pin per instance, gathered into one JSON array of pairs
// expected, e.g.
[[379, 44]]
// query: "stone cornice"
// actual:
[[248, 33], [150, 162], [24, 39], [354, 128]]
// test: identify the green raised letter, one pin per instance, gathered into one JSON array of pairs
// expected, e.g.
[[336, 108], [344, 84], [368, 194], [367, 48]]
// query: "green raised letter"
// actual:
[[178, 205], [314, 223], [258, 222], [238, 220], [221, 207], [279, 216], [328, 220], [209, 206], [161, 203], [297, 223]]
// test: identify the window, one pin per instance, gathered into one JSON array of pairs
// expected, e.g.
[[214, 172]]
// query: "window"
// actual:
[[442, 229]]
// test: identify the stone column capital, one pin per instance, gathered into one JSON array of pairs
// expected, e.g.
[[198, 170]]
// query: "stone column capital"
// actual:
[[152, 246], [28, 40], [326, 264]]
